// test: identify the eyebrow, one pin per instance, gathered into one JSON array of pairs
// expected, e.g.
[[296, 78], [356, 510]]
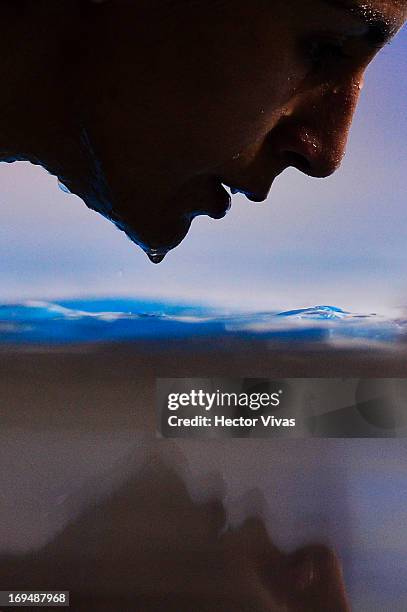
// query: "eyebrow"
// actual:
[[380, 28]]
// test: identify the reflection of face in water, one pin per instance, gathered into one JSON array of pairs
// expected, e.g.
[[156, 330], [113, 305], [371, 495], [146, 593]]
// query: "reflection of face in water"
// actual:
[[157, 104], [149, 547]]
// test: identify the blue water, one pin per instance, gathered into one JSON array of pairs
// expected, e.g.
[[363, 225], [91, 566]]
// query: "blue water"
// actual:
[[121, 320]]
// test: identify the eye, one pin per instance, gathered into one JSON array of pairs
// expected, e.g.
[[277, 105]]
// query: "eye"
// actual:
[[322, 52]]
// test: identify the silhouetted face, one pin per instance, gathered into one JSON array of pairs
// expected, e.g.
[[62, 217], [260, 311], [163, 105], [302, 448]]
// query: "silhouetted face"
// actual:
[[185, 97]]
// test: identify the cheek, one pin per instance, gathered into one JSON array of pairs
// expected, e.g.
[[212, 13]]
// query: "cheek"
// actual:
[[236, 101], [242, 81], [192, 104]]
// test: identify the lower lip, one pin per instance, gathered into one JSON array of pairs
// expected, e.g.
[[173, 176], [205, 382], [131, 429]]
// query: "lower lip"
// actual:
[[217, 203], [223, 202]]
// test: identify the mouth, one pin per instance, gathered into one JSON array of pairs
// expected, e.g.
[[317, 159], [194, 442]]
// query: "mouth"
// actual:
[[164, 227], [216, 203]]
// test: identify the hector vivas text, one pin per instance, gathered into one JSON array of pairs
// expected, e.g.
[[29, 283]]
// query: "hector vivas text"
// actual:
[[218, 400]]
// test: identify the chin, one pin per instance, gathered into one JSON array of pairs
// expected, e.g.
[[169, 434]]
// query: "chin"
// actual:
[[158, 226], [156, 239]]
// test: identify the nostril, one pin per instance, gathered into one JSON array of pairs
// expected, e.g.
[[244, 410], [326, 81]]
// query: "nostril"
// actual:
[[291, 158]]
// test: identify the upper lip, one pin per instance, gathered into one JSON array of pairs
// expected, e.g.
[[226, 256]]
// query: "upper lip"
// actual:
[[250, 195], [255, 183], [254, 190]]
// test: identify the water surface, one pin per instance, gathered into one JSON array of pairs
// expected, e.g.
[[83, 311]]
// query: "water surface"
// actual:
[[126, 320]]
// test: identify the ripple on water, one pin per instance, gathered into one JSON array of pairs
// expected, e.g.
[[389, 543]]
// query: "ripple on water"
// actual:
[[120, 320]]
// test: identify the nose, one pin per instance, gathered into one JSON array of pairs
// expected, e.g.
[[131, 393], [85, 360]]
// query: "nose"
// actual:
[[313, 133]]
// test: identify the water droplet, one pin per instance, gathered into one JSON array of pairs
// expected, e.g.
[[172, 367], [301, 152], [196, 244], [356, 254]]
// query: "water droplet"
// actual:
[[63, 187]]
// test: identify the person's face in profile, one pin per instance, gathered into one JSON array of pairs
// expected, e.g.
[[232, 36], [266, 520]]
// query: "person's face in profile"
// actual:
[[182, 97]]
